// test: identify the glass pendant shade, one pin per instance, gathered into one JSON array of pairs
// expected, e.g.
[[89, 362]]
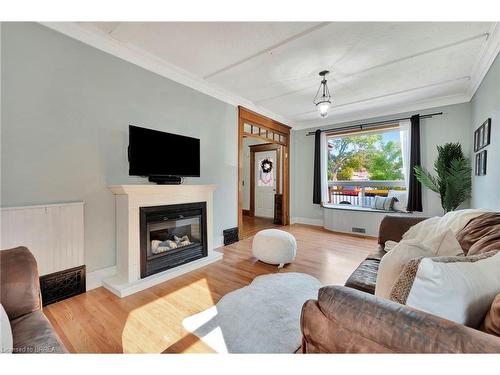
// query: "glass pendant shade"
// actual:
[[323, 97], [323, 108]]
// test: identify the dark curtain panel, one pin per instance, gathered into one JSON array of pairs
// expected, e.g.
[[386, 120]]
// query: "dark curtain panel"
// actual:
[[415, 188], [317, 168]]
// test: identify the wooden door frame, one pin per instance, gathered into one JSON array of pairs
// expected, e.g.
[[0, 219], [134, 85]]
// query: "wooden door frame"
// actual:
[[250, 117], [260, 148]]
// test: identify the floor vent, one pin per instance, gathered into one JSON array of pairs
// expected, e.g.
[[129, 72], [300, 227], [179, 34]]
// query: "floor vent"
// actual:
[[63, 284], [230, 236], [359, 230]]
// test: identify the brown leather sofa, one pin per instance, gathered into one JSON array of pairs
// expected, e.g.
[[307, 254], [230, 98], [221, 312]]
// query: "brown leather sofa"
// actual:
[[350, 319], [20, 296]]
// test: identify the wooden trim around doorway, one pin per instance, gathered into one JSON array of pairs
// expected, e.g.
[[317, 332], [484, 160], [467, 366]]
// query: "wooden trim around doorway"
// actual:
[[250, 117], [253, 150]]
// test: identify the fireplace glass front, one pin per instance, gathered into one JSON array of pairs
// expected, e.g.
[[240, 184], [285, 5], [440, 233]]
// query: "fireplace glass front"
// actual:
[[171, 236]]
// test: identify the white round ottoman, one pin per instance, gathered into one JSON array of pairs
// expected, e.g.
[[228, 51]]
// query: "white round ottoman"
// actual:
[[274, 246]]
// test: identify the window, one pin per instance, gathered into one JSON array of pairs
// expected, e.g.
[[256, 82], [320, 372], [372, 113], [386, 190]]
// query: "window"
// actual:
[[263, 133], [364, 164]]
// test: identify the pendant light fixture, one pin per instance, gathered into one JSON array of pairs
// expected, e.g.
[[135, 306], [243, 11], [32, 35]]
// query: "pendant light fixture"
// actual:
[[323, 99]]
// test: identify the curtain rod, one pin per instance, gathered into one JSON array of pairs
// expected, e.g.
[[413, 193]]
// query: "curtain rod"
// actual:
[[373, 124]]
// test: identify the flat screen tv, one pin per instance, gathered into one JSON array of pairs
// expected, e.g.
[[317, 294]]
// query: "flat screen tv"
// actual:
[[161, 156]]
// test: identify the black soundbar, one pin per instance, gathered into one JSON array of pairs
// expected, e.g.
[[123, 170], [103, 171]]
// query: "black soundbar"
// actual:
[[165, 180]]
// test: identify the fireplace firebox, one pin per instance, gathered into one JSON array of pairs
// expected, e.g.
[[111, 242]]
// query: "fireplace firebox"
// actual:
[[171, 236]]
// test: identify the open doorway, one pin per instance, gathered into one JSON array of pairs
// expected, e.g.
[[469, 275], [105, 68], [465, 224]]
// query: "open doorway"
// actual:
[[263, 191], [262, 185]]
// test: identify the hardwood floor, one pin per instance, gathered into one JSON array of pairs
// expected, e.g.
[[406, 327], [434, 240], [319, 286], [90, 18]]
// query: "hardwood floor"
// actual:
[[151, 321], [253, 224]]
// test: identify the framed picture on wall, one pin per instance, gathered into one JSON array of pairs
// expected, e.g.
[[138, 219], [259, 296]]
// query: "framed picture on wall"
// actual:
[[480, 163], [487, 129], [482, 135]]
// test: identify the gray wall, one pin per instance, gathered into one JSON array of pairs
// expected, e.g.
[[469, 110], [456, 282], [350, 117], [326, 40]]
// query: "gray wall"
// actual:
[[452, 126], [66, 108], [486, 103]]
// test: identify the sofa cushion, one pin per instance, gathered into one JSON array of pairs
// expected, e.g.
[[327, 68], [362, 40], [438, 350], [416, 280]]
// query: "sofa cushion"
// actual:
[[481, 234], [365, 276], [392, 227], [20, 291], [33, 333], [460, 289]]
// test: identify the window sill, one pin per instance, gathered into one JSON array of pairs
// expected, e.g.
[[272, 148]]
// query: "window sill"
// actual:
[[346, 207]]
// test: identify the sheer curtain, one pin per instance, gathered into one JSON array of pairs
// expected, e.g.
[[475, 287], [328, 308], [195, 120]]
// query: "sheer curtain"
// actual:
[[405, 140], [409, 134]]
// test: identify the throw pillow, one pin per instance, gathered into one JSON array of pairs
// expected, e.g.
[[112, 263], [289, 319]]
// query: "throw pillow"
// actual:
[[491, 323], [391, 265], [460, 289], [6, 342], [383, 203], [401, 200]]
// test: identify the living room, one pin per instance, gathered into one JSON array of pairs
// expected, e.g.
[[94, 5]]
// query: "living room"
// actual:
[[275, 186]]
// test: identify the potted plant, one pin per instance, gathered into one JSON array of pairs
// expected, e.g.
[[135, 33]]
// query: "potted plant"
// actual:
[[453, 180]]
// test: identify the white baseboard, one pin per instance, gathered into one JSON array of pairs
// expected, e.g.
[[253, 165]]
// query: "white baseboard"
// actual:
[[94, 278], [308, 221]]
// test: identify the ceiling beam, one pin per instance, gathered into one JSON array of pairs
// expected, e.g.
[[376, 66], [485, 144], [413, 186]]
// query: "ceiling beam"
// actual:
[[266, 50], [339, 78], [123, 31], [418, 54]]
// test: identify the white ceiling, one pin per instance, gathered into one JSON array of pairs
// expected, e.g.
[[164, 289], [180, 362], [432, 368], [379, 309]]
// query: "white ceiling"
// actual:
[[376, 68]]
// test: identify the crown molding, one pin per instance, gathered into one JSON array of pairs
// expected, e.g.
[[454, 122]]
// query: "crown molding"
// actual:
[[143, 59], [486, 58], [352, 112]]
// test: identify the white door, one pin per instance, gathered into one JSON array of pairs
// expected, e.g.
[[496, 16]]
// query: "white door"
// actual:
[[265, 183]]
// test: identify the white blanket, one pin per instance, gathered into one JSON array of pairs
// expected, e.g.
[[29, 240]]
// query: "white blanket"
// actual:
[[454, 220]]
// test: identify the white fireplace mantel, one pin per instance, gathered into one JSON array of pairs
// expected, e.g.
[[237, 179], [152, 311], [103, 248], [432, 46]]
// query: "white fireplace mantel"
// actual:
[[129, 199]]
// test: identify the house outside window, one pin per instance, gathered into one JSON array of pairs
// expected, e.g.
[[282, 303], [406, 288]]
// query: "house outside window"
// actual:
[[364, 164]]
